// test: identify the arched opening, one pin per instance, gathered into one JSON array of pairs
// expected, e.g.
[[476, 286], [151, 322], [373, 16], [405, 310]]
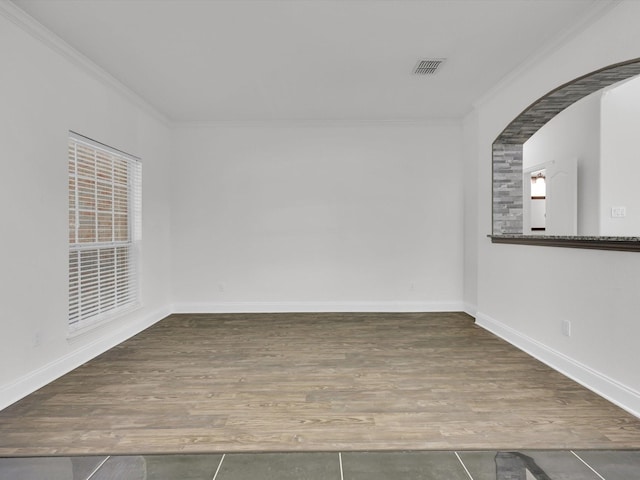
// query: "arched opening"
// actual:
[[507, 157]]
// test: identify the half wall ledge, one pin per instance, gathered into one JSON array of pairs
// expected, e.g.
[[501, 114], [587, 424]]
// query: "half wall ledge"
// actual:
[[623, 244]]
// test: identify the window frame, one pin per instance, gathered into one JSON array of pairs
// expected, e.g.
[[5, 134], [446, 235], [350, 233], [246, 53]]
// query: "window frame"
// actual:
[[104, 257]]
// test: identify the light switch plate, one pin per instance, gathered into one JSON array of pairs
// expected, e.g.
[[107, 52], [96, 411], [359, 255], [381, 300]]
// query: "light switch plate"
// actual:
[[618, 212]]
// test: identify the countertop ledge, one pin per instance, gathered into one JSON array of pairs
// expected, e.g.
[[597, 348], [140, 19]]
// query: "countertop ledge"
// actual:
[[626, 244]]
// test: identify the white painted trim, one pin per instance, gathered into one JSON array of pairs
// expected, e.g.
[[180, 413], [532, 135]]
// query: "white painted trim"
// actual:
[[608, 388], [32, 381], [470, 309], [612, 390], [322, 123], [30, 25], [283, 307], [29, 383], [596, 12]]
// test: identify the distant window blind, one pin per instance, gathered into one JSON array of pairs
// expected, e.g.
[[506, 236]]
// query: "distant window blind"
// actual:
[[104, 231]]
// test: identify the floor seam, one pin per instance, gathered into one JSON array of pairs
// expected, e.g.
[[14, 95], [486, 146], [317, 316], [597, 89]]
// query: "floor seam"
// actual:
[[219, 465], [588, 466], [98, 467], [463, 465]]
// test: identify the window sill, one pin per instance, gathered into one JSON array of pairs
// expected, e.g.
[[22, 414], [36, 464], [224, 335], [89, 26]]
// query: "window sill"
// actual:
[[80, 332]]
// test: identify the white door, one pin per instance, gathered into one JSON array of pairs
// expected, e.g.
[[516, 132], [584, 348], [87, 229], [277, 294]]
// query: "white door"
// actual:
[[533, 201], [526, 202], [562, 197]]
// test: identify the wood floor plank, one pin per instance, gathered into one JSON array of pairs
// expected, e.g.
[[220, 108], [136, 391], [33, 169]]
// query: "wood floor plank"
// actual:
[[312, 382]]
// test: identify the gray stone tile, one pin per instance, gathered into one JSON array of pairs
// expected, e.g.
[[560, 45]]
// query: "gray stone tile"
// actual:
[[280, 466], [613, 464], [558, 465], [50, 468], [85, 466], [402, 465], [132, 467], [481, 465], [184, 467], [159, 467]]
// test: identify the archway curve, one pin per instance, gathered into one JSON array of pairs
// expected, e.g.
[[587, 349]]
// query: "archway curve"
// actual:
[[532, 118], [507, 156]]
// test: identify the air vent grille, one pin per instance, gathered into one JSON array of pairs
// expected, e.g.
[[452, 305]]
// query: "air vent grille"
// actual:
[[427, 66]]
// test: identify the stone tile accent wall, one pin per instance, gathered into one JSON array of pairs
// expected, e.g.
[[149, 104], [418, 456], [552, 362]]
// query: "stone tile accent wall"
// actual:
[[507, 148], [507, 188], [547, 107]]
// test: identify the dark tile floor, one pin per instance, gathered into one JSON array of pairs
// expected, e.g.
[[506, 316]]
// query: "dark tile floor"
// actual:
[[414, 465]]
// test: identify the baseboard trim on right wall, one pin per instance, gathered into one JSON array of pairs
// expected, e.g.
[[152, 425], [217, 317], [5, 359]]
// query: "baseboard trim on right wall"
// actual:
[[608, 388]]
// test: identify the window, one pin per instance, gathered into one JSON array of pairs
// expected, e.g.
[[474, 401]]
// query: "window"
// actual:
[[104, 231]]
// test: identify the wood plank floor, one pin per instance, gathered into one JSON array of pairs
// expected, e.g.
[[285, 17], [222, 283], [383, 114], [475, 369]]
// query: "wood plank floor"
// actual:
[[312, 382]]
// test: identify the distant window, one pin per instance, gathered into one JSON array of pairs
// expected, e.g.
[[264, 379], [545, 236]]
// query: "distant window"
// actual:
[[104, 231]]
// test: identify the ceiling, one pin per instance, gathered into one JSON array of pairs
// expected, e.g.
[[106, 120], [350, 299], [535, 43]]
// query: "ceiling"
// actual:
[[261, 60]]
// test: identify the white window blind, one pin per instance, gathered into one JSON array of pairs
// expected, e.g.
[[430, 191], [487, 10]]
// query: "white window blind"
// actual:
[[104, 231]]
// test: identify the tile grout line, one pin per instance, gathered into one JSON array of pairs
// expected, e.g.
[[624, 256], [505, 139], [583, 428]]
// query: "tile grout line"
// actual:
[[463, 465], [340, 460], [588, 466], [219, 465], [98, 467]]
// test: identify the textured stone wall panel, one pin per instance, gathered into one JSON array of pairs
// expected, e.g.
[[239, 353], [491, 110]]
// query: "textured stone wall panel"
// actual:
[[507, 188]]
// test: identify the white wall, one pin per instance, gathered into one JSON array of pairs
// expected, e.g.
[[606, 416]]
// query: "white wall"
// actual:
[[283, 217], [317, 217], [621, 159], [595, 290], [470, 216], [44, 95], [574, 133], [342, 217]]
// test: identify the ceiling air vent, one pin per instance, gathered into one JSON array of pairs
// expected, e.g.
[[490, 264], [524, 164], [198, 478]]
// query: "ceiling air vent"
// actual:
[[427, 66]]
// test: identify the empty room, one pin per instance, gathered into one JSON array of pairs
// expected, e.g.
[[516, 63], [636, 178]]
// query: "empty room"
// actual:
[[320, 239]]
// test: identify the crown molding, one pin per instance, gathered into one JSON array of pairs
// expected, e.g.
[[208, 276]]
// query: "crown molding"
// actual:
[[322, 123], [597, 11], [31, 26]]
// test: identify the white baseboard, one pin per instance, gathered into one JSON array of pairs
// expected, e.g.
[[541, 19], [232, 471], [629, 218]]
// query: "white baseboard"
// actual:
[[470, 309], [20, 388], [617, 393], [29, 383], [299, 307]]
